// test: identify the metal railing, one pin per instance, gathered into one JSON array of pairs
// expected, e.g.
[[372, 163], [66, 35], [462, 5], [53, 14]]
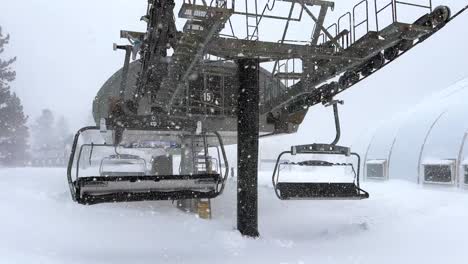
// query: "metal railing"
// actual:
[[348, 38], [345, 28], [332, 29], [290, 66], [253, 12], [353, 24], [213, 3], [393, 4], [364, 22]]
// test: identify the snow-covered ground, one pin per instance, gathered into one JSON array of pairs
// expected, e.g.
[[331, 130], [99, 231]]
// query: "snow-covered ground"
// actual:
[[400, 223]]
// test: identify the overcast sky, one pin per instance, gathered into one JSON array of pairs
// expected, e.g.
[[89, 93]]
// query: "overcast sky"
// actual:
[[64, 51]]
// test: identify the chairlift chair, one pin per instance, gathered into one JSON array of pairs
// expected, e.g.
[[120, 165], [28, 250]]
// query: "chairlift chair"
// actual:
[[138, 186], [316, 190]]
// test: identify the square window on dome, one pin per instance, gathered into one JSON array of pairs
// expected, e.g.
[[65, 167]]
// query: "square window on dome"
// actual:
[[377, 169], [440, 172]]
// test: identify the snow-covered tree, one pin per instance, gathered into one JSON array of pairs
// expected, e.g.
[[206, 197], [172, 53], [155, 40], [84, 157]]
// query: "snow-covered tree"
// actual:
[[64, 135], [13, 130], [14, 135], [7, 74], [43, 130], [51, 140], [62, 130]]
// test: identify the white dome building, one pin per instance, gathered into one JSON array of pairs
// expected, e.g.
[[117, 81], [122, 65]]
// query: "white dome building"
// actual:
[[425, 145]]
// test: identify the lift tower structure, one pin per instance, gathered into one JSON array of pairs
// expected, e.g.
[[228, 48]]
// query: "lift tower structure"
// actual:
[[213, 83]]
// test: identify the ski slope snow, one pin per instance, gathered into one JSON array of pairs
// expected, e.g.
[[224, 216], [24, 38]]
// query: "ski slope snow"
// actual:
[[400, 223]]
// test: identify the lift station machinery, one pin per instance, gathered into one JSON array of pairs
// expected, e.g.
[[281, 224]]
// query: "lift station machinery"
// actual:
[[163, 120]]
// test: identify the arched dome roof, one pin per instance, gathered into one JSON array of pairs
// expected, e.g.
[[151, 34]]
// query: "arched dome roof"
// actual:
[[434, 129]]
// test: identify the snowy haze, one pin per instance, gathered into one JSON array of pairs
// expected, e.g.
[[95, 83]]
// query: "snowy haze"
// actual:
[[64, 51]]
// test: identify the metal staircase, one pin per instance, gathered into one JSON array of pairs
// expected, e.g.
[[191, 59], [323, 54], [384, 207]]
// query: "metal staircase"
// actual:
[[204, 23]]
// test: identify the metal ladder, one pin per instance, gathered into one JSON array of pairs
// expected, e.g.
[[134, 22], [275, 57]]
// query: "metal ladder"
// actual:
[[251, 26], [288, 72], [200, 154]]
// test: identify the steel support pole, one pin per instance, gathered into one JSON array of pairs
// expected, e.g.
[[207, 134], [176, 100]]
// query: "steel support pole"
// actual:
[[247, 147], [125, 69], [460, 177], [187, 167]]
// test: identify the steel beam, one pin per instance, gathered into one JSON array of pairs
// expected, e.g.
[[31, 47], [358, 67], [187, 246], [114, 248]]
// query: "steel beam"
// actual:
[[126, 67], [134, 34], [270, 51], [320, 25], [313, 2], [247, 147], [318, 28]]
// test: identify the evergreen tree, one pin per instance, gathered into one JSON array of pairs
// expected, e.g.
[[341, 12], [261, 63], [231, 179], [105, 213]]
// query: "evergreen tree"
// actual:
[[64, 134], [7, 74], [5, 132], [13, 130], [44, 136], [14, 146]]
